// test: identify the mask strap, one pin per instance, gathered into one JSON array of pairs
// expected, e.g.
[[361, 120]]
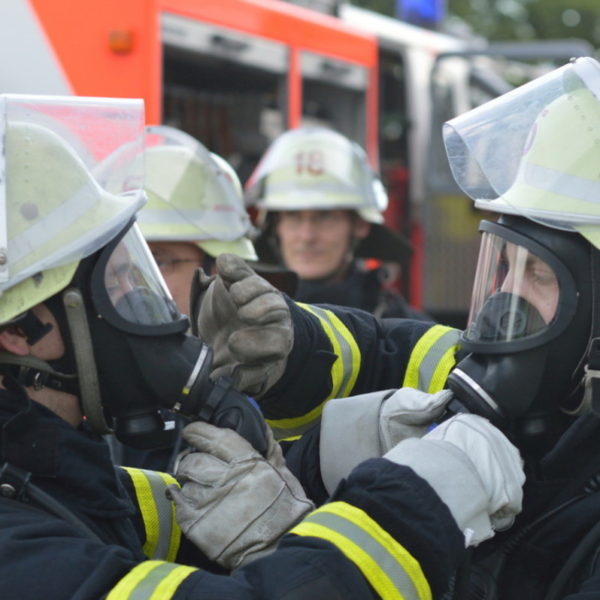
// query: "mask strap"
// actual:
[[591, 378], [36, 373]]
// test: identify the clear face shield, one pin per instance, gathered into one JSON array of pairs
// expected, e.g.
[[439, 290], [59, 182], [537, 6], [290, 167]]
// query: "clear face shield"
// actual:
[[129, 290], [523, 295], [54, 211], [534, 151], [190, 196]]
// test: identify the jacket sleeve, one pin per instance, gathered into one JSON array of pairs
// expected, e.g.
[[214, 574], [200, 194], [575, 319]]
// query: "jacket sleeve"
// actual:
[[340, 352], [385, 534]]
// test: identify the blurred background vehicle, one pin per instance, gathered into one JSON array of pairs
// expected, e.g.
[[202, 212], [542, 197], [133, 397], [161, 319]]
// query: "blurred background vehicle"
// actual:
[[236, 73]]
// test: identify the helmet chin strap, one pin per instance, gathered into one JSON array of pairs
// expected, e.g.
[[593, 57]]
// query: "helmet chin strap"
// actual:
[[33, 372]]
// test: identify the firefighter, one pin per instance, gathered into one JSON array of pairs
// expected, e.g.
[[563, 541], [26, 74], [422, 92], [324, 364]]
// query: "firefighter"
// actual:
[[195, 209], [528, 360], [91, 341], [321, 207]]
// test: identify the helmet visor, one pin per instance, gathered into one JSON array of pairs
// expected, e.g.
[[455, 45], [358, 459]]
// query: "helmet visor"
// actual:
[[129, 291], [534, 151], [191, 197], [522, 293], [54, 211]]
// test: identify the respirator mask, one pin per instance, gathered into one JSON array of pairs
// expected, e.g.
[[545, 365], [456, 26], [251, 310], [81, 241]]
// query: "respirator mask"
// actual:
[[528, 327], [134, 358]]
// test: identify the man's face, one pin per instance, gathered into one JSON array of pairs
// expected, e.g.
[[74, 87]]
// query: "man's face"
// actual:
[[177, 262], [531, 278], [316, 244]]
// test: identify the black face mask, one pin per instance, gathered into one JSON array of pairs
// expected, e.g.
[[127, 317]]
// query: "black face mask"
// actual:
[[501, 312], [144, 361], [521, 369]]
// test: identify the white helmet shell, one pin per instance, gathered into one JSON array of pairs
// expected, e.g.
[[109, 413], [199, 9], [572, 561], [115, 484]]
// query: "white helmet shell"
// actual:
[[315, 168], [55, 213], [193, 195], [535, 151]]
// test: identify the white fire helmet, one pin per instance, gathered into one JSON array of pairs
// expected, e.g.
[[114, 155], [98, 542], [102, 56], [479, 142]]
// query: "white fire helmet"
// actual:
[[314, 168], [193, 195], [54, 211]]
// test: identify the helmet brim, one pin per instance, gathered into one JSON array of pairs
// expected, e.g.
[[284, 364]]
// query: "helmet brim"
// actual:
[[242, 247]]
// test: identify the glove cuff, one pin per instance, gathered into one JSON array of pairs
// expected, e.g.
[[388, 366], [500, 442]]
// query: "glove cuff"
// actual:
[[349, 435], [454, 478]]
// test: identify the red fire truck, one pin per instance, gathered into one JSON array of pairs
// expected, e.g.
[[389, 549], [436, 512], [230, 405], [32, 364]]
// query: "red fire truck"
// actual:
[[236, 73]]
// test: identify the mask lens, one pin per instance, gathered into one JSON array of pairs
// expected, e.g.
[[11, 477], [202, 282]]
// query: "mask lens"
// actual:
[[515, 296], [133, 294]]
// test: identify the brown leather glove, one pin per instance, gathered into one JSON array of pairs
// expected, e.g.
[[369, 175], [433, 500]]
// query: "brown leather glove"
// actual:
[[247, 323], [234, 504]]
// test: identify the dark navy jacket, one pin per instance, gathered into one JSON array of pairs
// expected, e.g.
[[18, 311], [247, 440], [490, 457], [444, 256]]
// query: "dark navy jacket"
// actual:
[[45, 556], [562, 491]]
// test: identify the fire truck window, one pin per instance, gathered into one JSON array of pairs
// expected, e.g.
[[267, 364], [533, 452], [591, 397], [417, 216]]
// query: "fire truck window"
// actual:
[[333, 94], [234, 109], [393, 123]]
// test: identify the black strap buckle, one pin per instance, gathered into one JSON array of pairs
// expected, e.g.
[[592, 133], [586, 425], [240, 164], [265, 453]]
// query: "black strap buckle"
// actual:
[[13, 482]]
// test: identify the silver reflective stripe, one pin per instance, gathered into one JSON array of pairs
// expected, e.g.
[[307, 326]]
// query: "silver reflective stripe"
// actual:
[[432, 359], [146, 587], [345, 369], [344, 372], [162, 533], [391, 570], [564, 184], [388, 563], [150, 580]]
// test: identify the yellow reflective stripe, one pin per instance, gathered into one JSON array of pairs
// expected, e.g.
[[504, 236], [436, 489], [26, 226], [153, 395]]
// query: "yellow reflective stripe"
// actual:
[[423, 371], [344, 372], [356, 358], [388, 567], [337, 369], [368, 567], [347, 365], [163, 534], [151, 580], [292, 438], [175, 530], [295, 426], [363, 520]]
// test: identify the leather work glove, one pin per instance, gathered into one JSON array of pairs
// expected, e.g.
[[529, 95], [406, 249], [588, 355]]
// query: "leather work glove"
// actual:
[[247, 323], [473, 468], [367, 426], [234, 504]]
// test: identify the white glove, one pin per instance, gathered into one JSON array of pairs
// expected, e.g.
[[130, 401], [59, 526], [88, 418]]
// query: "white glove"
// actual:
[[473, 468], [234, 504], [247, 323], [360, 427]]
